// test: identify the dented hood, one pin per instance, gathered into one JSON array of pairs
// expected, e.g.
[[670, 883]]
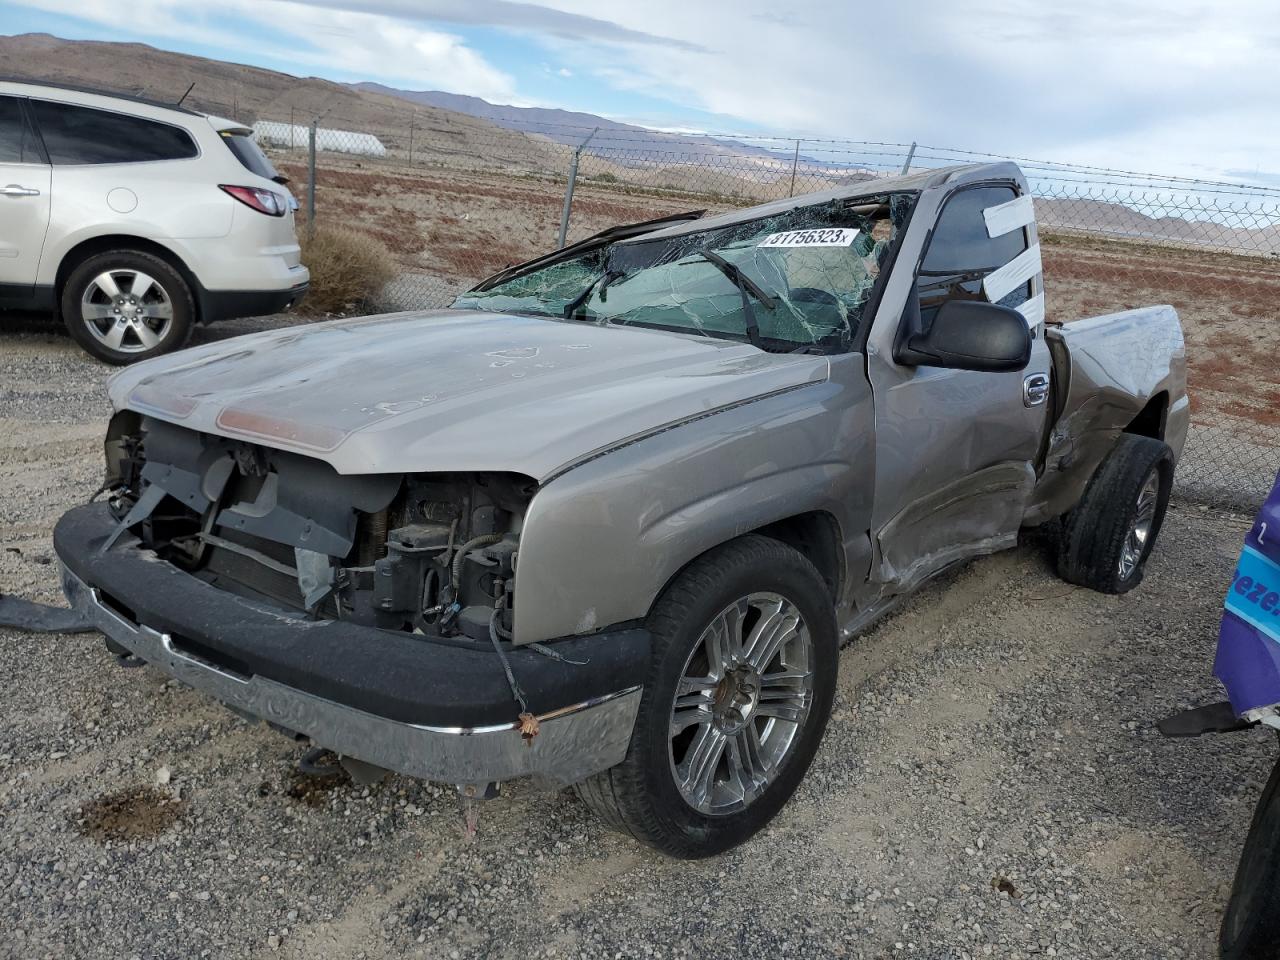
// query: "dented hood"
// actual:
[[453, 390]]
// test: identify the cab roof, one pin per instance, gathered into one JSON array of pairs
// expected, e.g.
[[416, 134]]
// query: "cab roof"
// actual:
[[917, 182]]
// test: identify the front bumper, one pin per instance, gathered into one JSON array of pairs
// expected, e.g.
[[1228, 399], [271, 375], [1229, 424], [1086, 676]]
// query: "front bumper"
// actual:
[[406, 703]]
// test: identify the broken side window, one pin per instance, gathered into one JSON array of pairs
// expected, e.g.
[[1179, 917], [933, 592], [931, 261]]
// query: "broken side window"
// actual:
[[547, 291]]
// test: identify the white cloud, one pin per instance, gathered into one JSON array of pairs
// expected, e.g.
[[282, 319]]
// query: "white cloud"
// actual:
[[1182, 86], [366, 44], [362, 45], [1186, 86], [514, 15]]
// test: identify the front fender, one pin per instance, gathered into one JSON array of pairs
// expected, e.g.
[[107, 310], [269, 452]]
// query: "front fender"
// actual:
[[600, 542]]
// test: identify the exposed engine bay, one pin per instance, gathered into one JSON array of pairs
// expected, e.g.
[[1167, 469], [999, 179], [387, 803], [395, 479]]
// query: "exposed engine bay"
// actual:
[[432, 554]]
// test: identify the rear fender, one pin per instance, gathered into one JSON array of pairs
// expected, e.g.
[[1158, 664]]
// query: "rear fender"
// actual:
[[1117, 364]]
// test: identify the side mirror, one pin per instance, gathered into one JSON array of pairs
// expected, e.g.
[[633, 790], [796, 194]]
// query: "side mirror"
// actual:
[[971, 335]]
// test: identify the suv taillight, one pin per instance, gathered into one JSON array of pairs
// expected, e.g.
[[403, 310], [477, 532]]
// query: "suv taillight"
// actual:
[[264, 201]]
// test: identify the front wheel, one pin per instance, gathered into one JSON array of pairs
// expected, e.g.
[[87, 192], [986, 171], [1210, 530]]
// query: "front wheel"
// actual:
[[739, 689], [127, 305]]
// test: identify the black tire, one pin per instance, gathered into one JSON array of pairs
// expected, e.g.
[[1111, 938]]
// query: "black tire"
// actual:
[[640, 796], [1093, 536], [1251, 923], [167, 292]]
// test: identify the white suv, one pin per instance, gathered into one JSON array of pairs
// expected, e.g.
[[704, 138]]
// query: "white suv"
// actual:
[[137, 219]]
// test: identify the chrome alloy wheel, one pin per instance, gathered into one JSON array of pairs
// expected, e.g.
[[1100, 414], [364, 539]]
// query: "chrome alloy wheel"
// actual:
[[742, 699], [126, 310], [1135, 541]]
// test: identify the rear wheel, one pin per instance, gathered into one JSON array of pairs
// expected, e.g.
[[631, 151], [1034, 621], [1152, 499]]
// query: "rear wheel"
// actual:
[[1251, 924], [738, 694], [1106, 540], [127, 305]]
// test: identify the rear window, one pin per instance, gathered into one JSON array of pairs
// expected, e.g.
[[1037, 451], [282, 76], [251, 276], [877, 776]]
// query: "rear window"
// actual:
[[76, 135], [249, 154]]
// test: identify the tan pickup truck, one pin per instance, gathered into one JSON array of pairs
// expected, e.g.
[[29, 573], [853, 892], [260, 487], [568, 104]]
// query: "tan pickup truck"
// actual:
[[608, 519]]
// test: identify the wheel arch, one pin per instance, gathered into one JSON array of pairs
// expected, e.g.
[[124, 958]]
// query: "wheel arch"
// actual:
[[108, 242], [1151, 419], [814, 534]]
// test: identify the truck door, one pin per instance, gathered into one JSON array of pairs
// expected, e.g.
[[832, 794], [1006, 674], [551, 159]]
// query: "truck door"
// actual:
[[956, 449], [24, 203]]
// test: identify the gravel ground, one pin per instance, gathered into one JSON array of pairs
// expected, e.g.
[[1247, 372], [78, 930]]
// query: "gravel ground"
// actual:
[[991, 783]]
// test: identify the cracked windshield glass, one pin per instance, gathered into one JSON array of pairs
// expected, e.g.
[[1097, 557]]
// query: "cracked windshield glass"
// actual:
[[794, 281]]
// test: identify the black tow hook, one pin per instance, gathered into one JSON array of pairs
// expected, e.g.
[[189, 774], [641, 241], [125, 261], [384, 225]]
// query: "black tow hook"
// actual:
[[320, 762], [323, 763], [125, 657]]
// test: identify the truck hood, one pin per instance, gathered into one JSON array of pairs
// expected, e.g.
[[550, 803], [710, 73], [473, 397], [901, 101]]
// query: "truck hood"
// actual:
[[453, 390]]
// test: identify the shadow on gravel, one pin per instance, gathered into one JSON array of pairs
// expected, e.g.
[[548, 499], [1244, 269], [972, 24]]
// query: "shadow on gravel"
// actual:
[[313, 790], [46, 324], [132, 814]]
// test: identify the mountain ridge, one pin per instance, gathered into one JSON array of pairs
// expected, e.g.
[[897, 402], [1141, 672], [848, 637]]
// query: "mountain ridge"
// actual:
[[573, 127]]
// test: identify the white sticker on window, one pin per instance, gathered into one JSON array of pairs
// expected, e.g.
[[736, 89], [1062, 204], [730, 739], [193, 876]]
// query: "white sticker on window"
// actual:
[[1006, 217], [998, 284], [827, 237], [1033, 310]]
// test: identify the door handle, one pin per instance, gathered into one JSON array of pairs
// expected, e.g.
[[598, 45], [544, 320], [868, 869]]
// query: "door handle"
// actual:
[[16, 190], [1034, 389]]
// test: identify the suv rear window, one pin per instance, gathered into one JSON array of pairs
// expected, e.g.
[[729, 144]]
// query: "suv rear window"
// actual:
[[75, 135], [250, 154]]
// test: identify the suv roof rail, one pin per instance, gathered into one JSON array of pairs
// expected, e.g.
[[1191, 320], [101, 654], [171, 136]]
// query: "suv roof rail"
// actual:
[[97, 92]]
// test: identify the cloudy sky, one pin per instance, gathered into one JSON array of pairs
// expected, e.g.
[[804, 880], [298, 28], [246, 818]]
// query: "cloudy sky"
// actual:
[[1182, 87]]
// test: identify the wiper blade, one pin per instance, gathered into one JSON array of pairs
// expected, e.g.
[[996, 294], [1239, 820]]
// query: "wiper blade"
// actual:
[[745, 285], [601, 281], [740, 279]]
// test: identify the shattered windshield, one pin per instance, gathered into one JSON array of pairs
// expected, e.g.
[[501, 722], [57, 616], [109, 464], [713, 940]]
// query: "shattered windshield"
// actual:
[[796, 280], [548, 290]]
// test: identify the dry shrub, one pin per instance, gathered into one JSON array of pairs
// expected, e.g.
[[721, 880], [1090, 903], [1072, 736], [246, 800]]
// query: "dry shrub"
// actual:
[[348, 269]]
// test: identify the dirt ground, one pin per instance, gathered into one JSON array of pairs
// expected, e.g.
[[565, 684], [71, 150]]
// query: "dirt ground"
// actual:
[[991, 783]]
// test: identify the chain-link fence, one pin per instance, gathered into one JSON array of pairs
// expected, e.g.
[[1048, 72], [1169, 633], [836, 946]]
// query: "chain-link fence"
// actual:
[[456, 198]]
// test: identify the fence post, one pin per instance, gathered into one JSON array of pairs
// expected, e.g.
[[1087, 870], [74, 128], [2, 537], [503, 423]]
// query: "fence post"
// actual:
[[911, 155], [568, 189], [292, 145], [311, 180], [411, 117], [795, 162]]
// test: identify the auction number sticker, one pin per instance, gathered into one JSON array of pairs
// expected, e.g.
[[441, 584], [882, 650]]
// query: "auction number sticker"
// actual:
[[1255, 592], [828, 237]]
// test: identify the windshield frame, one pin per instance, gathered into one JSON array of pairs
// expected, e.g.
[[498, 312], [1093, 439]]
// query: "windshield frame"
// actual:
[[836, 342]]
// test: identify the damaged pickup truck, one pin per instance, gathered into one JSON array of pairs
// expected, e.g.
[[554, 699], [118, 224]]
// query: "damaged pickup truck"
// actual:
[[607, 521]]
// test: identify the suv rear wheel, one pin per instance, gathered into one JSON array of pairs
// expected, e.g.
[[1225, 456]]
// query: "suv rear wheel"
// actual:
[[739, 689], [127, 305]]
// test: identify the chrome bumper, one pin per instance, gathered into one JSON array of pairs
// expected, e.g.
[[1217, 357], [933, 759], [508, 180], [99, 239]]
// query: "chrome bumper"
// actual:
[[572, 743]]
